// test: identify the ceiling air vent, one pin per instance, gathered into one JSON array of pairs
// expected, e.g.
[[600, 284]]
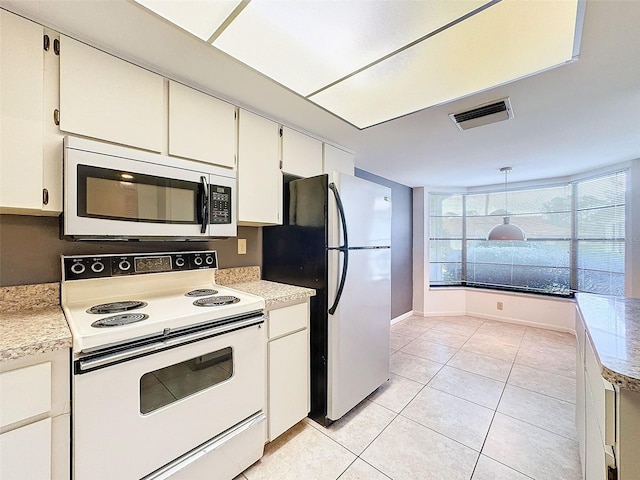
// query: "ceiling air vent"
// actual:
[[483, 114]]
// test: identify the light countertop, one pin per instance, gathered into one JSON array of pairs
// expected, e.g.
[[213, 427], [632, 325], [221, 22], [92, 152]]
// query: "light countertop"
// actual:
[[247, 279], [274, 293], [31, 321], [613, 325]]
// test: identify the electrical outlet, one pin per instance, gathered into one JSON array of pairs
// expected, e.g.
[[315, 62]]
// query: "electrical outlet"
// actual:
[[242, 246], [499, 306]]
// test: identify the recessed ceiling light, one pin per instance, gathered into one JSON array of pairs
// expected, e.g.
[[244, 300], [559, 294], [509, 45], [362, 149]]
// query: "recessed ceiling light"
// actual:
[[369, 62]]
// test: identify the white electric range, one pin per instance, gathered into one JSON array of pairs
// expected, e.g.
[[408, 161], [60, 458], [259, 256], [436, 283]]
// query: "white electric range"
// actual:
[[165, 358]]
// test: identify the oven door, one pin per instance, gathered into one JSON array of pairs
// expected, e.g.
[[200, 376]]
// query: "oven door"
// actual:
[[112, 195], [134, 416]]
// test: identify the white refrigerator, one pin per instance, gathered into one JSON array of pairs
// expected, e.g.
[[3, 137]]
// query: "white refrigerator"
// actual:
[[336, 238]]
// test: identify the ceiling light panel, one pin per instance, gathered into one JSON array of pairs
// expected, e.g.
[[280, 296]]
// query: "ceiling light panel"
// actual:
[[307, 45], [199, 17], [509, 40]]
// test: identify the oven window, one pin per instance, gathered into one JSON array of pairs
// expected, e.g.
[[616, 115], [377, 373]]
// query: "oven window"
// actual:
[[170, 384]]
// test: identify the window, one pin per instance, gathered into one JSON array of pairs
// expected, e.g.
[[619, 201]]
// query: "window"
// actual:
[[575, 238], [600, 234], [445, 244]]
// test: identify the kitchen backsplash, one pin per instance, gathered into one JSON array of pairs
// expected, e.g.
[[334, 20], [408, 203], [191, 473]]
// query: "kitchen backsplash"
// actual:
[[30, 249]]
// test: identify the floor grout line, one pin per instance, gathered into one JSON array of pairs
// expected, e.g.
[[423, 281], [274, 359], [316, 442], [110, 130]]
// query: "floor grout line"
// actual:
[[411, 398]]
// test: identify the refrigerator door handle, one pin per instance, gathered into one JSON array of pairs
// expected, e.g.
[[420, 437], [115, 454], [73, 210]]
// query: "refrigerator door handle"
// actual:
[[344, 249]]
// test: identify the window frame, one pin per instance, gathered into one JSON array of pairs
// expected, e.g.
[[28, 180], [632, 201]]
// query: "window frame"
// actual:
[[572, 239]]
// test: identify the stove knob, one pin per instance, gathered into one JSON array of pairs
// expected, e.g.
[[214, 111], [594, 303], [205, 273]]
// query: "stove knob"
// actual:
[[97, 266], [124, 265], [179, 262], [78, 268], [209, 260], [197, 261]]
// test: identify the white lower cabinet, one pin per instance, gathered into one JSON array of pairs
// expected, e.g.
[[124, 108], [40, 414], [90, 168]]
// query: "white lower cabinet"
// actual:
[[596, 412], [35, 417], [287, 368], [26, 452]]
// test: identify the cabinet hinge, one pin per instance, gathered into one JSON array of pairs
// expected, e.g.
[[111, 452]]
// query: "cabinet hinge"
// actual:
[[56, 116], [280, 132], [46, 43], [45, 196], [56, 46], [612, 473]]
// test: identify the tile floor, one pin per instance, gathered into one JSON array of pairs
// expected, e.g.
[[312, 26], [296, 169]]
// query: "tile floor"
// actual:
[[468, 399]]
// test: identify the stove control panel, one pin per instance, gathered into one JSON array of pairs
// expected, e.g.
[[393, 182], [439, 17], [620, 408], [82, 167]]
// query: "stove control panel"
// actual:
[[80, 267]]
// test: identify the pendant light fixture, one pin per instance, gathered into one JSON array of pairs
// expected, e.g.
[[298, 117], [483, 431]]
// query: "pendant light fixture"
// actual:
[[506, 231]]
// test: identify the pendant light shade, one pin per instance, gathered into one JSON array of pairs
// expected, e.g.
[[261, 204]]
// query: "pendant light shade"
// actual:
[[506, 231]]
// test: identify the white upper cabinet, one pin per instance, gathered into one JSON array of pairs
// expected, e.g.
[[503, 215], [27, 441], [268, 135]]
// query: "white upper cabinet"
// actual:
[[301, 154], [336, 159], [201, 127], [104, 97], [259, 175], [21, 121]]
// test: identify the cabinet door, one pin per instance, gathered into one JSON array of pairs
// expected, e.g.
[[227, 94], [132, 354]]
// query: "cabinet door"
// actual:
[[259, 175], [104, 97], [301, 154], [201, 127], [288, 382], [21, 97], [25, 453], [336, 159]]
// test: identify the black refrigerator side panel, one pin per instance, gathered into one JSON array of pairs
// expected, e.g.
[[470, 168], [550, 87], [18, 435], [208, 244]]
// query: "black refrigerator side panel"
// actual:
[[296, 253], [318, 357]]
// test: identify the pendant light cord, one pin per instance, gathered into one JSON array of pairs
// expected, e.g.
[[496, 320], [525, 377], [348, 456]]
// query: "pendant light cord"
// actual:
[[506, 196]]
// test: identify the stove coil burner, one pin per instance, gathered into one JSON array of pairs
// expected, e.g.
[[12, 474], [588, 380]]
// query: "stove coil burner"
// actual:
[[115, 307], [119, 320], [216, 301], [201, 292]]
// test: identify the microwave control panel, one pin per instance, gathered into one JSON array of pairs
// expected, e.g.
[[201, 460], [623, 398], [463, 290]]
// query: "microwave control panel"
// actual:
[[220, 204]]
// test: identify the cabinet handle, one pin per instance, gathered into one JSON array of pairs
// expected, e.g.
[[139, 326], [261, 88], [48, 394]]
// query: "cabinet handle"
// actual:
[[45, 196], [46, 43], [56, 46], [56, 116]]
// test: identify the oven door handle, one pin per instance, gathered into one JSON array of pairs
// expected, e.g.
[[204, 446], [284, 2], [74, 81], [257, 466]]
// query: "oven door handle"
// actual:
[[135, 352]]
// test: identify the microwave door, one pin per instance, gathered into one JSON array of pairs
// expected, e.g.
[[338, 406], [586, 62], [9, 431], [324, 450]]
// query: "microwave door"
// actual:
[[127, 198]]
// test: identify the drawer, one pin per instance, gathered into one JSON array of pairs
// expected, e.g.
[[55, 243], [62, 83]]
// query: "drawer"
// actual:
[[288, 319], [25, 392], [26, 452]]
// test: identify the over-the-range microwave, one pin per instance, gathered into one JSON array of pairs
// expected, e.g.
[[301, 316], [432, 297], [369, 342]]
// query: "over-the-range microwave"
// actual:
[[113, 192]]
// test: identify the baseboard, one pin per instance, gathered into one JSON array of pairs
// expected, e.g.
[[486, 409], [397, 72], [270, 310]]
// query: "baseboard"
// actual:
[[527, 323], [445, 314], [399, 318]]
